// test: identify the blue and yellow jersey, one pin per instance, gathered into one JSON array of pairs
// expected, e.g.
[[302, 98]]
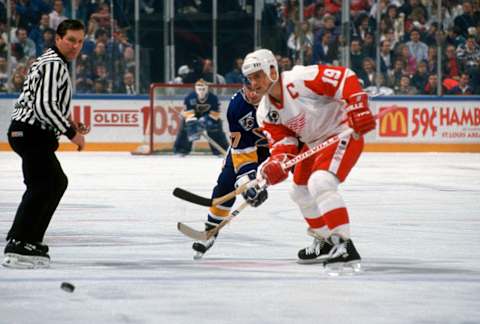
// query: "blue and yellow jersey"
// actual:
[[249, 147], [196, 108]]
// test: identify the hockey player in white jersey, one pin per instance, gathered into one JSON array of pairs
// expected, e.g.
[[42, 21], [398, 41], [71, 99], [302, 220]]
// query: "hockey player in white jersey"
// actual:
[[310, 104]]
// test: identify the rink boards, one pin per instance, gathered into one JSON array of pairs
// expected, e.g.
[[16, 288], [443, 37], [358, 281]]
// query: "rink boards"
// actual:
[[415, 124]]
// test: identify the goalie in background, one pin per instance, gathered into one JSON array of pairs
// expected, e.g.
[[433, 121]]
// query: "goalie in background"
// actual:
[[248, 150], [201, 114]]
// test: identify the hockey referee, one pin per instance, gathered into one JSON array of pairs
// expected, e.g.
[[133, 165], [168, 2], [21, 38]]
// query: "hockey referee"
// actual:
[[41, 115]]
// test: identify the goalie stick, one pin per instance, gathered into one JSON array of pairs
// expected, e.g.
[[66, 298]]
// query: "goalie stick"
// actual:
[[209, 202], [205, 235], [214, 144]]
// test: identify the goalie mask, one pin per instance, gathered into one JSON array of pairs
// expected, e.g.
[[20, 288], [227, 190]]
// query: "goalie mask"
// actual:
[[201, 89], [260, 60]]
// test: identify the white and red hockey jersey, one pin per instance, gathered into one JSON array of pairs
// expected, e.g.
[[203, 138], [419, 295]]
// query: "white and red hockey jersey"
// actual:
[[312, 106]]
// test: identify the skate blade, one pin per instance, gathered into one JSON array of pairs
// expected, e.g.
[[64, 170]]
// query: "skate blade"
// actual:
[[343, 269], [198, 256], [312, 261], [15, 261]]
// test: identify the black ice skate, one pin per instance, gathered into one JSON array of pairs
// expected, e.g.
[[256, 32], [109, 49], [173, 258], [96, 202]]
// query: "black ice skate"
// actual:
[[316, 253], [343, 256], [201, 247], [24, 255]]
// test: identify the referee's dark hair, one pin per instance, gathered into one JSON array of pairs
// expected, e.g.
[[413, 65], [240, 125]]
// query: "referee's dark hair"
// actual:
[[69, 24]]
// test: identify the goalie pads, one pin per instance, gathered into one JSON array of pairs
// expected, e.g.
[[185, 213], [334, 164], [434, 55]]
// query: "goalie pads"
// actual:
[[194, 129], [210, 124]]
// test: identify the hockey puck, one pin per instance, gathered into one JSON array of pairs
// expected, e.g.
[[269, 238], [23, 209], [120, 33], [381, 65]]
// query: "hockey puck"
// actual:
[[68, 287]]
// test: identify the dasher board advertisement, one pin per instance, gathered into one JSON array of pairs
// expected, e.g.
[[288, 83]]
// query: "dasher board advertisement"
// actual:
[[429, 122], [411, 124]]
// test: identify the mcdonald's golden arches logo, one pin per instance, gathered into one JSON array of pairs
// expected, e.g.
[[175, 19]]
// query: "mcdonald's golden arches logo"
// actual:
[[395, 122]]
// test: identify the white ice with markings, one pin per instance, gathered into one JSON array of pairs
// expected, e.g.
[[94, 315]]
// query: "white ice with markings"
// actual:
[[415, 221]]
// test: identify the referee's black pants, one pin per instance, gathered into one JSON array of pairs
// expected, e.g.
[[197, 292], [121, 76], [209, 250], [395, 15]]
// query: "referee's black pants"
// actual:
[[43, 177]]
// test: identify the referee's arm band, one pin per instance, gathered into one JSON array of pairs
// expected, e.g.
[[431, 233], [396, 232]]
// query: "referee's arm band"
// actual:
[[71, 132]]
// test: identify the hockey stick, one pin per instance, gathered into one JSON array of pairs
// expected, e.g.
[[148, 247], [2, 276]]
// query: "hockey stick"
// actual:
[[332, 140], [214, 144], [208, 202], [205, 235], [314, 150]]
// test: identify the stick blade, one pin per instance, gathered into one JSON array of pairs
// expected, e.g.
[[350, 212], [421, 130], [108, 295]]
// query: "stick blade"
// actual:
[[192, 233], [191, 197]]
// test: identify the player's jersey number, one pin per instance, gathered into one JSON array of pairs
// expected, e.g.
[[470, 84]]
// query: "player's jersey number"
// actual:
[[331, 76], [236, 136]]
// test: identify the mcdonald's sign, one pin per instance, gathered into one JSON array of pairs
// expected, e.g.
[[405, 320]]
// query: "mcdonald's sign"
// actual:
[[394, 123]]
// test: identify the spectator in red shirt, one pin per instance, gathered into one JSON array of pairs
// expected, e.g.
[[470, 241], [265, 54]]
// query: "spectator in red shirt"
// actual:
[[463, 87], [333, 6], [358, 6], [451, 67], [431, 86]]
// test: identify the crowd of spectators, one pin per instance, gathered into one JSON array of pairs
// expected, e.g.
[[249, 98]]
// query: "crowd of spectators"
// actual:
[[410, 34], [106, 63]]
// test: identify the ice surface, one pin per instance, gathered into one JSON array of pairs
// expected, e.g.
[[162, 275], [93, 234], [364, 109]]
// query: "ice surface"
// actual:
[[415, 221]]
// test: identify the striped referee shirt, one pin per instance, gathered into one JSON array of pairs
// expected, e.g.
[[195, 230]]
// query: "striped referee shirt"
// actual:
[[46, 95]]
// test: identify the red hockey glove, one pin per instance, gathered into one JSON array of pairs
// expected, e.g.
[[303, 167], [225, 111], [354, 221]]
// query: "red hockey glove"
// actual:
[[272, 171], [360, 118]]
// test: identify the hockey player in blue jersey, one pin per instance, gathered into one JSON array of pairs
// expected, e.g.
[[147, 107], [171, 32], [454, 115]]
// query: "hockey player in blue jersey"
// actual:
[[201, 114], [248, 149]]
